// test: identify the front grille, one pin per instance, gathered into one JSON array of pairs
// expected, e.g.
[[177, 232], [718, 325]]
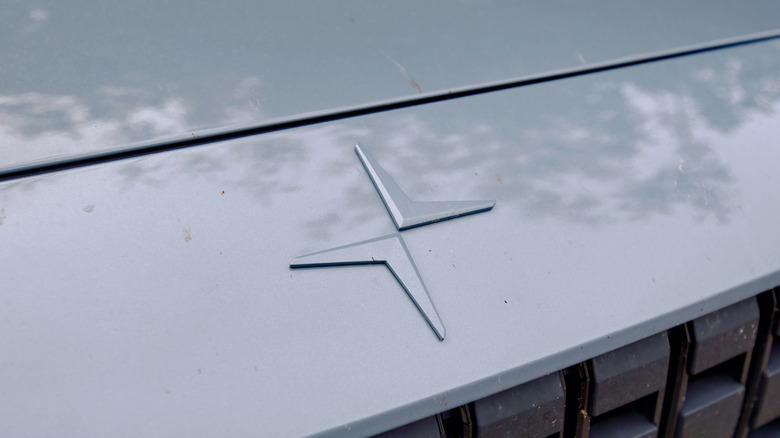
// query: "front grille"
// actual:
[[715, 376]]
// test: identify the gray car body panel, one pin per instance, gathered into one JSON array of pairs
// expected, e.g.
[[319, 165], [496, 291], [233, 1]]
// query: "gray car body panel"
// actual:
[[112, 77], [154, 296]]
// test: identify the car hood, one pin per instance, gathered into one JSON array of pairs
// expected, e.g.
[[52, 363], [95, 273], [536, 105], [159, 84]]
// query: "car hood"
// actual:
[[155, 295], [114, 77]]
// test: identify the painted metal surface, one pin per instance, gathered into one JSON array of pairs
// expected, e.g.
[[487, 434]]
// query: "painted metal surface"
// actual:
[[110, 76], [387, 250], [154, 295], [391, 250], [407, 213]]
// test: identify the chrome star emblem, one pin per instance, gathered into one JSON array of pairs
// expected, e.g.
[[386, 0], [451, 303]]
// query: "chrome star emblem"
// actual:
[[391, 250]]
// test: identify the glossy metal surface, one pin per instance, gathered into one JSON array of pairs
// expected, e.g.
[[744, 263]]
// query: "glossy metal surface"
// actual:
[[407, 213], [627, 202], [390, 251], [85, 76]]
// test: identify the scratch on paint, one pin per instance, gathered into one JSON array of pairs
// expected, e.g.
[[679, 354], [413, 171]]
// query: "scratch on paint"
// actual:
[[580, 57], [405, 73]]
